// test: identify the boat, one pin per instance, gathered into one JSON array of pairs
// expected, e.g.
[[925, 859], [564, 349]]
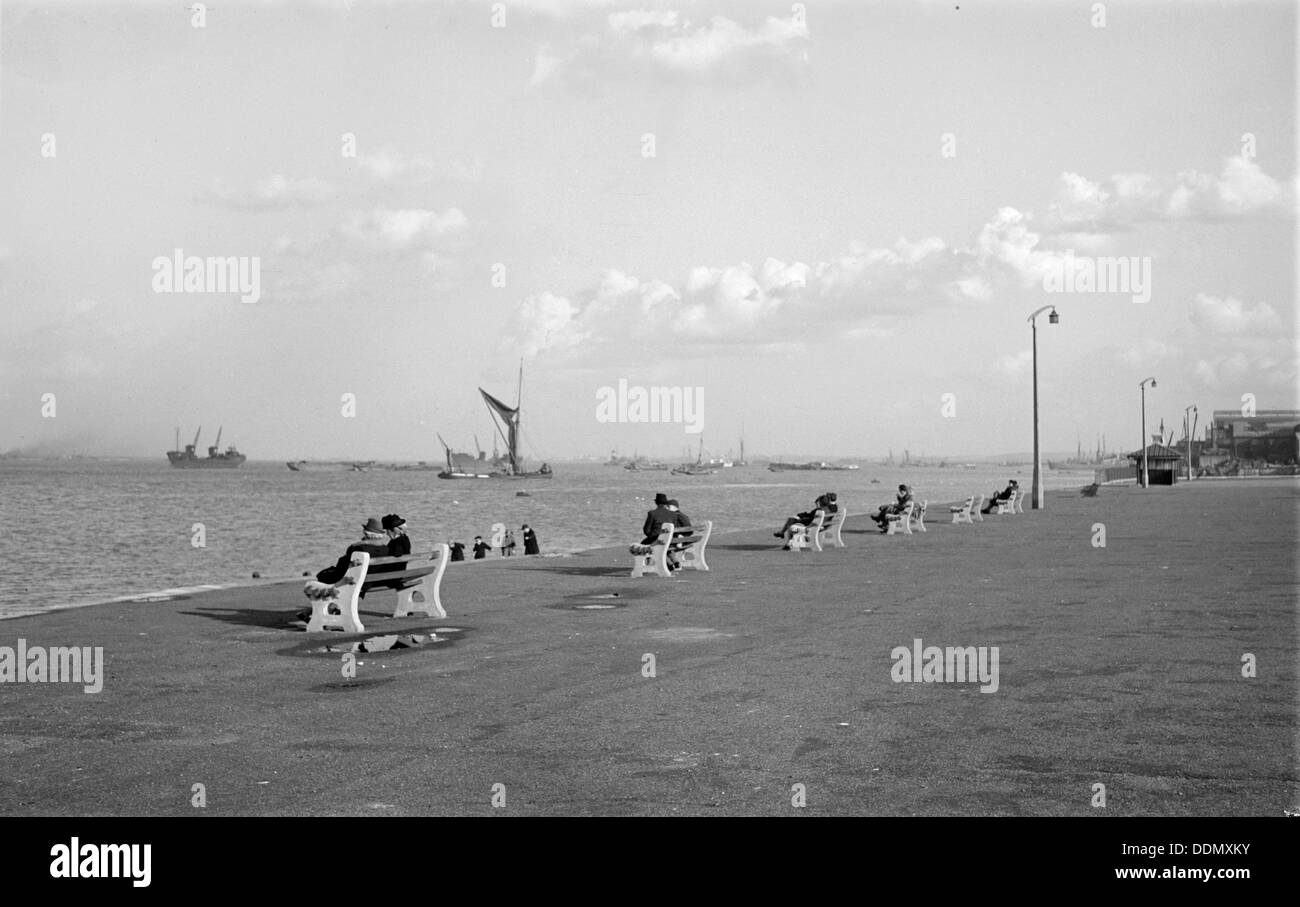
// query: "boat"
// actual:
[[506, 420], [819, 466], [698, 468], [216, 458], [457, 468], [295, 465]]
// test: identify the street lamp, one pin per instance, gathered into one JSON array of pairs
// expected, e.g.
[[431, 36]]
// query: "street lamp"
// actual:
[[1037, 491], [1187, 423], [1143, 385]]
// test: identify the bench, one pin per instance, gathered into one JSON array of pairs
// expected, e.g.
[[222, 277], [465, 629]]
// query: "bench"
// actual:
[[902, 520], [334, 607], [961, 514], [918, 514], [977, 512], [687, 543], [1008, 505], [800, 536]]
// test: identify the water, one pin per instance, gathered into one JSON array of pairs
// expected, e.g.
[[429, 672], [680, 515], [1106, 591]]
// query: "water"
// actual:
[[78, 532]]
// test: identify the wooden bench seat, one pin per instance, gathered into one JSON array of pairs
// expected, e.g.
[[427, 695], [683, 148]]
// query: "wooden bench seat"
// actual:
[[418, 584], [1009, 504]]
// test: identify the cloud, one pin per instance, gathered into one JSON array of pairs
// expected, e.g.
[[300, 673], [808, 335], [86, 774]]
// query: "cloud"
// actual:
[[712, 307], [276, 192], [665, 42], [389, 165], [1147, 351], [403, 228], [1014, 365], [1230, 315], [1242, 189]]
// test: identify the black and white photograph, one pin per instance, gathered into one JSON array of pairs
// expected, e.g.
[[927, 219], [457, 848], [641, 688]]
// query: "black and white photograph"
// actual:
[[649, 408]]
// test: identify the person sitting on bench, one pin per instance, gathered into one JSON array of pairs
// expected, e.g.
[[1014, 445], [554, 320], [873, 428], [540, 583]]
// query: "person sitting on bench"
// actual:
[[882, 515], [683, 531], [376, 542], [1000, 496], [666, 511], [824, 502]]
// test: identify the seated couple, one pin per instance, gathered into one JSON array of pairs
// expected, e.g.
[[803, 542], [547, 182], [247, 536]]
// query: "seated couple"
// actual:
[[667, 510], [901, 500], [386, 538], [1001, 496], [824, 502]]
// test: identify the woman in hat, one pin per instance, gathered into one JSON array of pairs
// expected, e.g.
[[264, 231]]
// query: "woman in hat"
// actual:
[[399, 543]]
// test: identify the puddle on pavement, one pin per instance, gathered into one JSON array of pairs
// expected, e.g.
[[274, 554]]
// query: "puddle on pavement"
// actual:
[[388, 642], [597, 601]]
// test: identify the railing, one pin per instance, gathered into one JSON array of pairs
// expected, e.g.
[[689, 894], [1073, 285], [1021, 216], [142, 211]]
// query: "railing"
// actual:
[[1114, 474]]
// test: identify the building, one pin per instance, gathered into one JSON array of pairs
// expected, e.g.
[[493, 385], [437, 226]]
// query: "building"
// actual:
[[1269, 436], [1164, 464]]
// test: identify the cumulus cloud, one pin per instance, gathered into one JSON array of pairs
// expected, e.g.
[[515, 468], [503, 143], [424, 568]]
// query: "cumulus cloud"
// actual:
[[1230, 315], [403, 228], [275, 192], [1242, 189], [667, 42], [389, 165]]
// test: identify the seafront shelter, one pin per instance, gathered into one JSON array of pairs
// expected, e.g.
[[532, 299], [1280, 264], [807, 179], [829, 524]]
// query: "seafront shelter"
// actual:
[[1163, 464]]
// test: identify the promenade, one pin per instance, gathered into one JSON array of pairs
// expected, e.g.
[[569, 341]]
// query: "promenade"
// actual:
[[1119, 666]]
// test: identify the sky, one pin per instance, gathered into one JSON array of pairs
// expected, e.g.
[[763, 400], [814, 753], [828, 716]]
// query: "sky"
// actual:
[[828, 222]]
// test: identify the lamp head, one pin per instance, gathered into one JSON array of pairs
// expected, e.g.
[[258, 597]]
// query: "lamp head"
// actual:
[[1053, 318], [1153, 382]]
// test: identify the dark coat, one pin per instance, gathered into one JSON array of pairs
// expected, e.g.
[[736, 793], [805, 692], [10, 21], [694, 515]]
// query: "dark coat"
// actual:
[[530, 542], [655, 519]]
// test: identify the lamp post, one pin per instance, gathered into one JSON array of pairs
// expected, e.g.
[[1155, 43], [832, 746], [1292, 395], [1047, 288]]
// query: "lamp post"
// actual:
[[1187, 422], [1036, 501], [1143, 385]]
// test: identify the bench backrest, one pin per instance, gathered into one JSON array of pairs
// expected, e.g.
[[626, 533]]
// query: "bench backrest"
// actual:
[[404, 568]]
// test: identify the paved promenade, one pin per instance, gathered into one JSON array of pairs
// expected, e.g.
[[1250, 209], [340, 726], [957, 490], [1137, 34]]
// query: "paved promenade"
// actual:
[[1119, 666]]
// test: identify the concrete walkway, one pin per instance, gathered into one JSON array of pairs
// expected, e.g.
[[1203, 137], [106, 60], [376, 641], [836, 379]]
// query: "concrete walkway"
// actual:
[[1119, 666]]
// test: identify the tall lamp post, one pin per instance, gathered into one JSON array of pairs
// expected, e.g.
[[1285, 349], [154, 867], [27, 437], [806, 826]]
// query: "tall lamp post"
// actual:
[[1037, 490], [1187, 421], [1143, 385]]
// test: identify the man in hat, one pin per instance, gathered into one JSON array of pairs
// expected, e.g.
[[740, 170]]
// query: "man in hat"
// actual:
[[374, 542], [530, 540], [457, 551], [481, 548], [656, 518]]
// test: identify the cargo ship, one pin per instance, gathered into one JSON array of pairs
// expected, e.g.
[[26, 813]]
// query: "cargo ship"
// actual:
[[216, 458]]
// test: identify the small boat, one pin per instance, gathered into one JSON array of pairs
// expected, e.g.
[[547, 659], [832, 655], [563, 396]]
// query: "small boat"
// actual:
[[698, 468]]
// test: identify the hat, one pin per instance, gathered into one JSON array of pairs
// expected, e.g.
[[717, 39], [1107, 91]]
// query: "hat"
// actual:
[[661, 499], [393, 521], [373, 525], [672, 502]]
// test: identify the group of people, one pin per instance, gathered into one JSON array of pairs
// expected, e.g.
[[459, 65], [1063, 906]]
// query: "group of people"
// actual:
[[827, 502], [667, 510], [387, 538], [482, 549]]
